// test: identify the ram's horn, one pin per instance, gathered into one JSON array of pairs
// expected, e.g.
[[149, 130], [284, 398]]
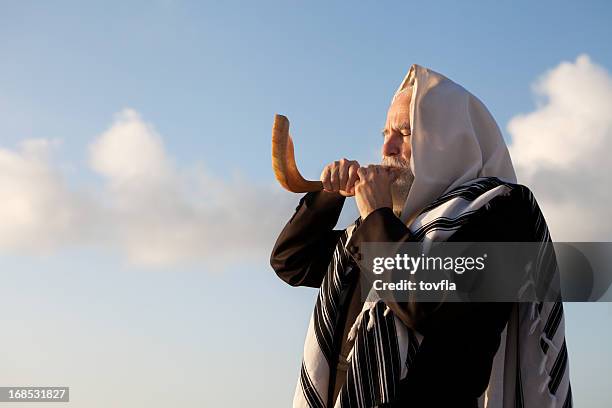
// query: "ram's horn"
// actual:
[[283, 160]]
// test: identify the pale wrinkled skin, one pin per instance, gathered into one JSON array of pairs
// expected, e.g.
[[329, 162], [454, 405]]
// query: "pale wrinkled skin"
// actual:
[[378, 186]]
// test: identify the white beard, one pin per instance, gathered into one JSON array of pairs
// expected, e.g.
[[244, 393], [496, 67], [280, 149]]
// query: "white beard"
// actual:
[[400, 189], [402, 184]]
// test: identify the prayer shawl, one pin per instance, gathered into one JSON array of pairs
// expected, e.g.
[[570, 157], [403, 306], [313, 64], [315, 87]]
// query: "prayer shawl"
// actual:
[[530, 368], [460, 162]]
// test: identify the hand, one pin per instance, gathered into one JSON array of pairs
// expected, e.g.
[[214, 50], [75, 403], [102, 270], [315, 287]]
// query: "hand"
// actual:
[[340, 177], [373, 190]]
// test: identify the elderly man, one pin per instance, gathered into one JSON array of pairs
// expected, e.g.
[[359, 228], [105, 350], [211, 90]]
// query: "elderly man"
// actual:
[[446, 175]]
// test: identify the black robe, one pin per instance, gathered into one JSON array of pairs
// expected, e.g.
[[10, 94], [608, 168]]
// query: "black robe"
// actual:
[[449, 368]]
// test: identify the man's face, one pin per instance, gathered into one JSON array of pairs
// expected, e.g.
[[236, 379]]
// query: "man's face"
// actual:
[[396, 149], [397, 130]]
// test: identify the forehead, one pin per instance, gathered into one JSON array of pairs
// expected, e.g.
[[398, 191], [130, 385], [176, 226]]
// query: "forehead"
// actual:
[[399, 110]]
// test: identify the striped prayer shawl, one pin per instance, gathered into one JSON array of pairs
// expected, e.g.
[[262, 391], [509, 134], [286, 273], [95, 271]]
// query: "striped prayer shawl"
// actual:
[[530, 368]]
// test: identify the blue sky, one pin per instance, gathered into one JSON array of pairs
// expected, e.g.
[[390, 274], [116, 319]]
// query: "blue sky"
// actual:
[[113, 88]]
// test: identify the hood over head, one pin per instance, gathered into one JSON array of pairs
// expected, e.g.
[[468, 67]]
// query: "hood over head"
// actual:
[[454, 139]]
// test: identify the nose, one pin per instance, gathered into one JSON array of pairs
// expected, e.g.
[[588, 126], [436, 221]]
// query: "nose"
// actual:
[[392, 146]]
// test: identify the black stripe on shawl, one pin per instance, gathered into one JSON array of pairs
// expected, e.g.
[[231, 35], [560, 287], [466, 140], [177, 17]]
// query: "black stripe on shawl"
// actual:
[[413, 348], [519, 401], [310, 392], [327, 309], [469, 192], [375, 368], [558, 370], [552, 323], [568, 398], [443, 223], [546, 269]]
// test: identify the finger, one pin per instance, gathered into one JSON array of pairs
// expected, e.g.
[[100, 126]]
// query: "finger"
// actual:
[[335, 178], [362, 173], [326, 178], [384, 170], [352, 177], [374, 170], [343, 173], [394, 172]]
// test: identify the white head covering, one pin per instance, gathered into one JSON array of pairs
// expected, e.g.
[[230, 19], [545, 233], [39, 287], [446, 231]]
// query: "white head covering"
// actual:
[[454, 139]]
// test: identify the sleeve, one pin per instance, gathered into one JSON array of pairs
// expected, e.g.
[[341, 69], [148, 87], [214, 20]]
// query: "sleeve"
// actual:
[[306, 244], [500, 220]]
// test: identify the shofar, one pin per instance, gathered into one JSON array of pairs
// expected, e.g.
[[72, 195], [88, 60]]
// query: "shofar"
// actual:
[[283, 160]]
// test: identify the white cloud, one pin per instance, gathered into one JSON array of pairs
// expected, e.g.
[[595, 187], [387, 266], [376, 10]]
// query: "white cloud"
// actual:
[[562, 150], [156, 213], [38, 212]]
